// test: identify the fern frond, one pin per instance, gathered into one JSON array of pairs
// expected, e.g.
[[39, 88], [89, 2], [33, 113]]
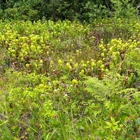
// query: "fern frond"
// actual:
[[97, 88]]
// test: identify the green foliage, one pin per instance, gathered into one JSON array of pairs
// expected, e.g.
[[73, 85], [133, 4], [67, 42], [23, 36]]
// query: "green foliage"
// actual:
[[67, 80], [21, 12], [113, 101], [27, 102], [123, 8], [97, 88], [1, 13], [86, 10]]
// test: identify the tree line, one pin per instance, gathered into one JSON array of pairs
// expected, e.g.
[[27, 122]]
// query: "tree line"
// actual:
[[83, 10]]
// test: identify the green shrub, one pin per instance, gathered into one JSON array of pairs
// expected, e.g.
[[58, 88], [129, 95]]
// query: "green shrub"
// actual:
[[123, 8]]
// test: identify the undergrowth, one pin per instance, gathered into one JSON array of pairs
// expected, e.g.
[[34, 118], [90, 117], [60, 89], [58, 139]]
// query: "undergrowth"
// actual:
[[66, 80]]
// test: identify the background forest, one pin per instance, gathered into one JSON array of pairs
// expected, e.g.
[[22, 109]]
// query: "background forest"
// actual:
[[87, 10]]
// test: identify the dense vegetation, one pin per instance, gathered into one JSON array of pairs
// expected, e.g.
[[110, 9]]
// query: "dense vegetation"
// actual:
[[65, 79], [66, 9]]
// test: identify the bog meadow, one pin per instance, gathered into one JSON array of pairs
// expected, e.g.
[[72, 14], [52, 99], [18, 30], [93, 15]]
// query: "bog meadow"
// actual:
[[71, 75]]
